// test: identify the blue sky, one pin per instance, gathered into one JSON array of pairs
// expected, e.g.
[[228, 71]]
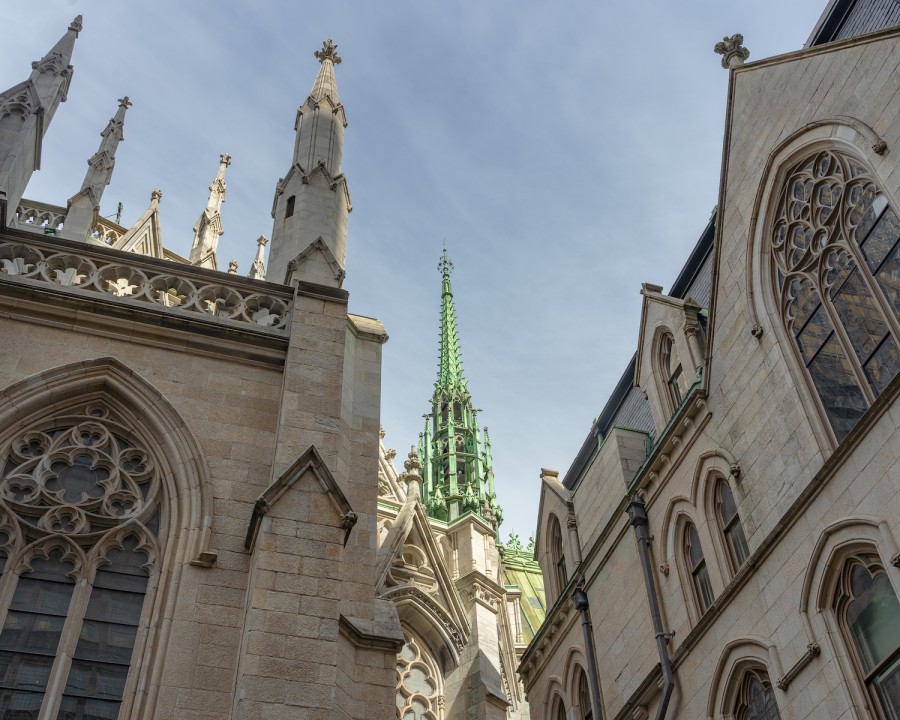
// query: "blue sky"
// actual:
[[565, 151]]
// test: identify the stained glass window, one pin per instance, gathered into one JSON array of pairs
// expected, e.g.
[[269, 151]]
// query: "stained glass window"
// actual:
[[756, 700], [73, 486], [836, 270]]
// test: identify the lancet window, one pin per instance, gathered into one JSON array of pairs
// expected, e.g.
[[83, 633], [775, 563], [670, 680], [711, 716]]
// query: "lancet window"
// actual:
[[836, 274], [671, 370], [558, 554], [696, 563], [79, 512], [756, 699], [584, 697], [730, 525], [869, 615]]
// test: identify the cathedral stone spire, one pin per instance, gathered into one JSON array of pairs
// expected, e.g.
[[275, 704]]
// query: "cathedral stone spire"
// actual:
[[209, 225], [309, 236], [84, 206], [458, 477], [27, 109]]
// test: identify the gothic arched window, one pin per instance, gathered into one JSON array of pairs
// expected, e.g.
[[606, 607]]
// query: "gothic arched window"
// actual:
[[730, 525], [418, 683], [560, 712], [756, 699], [696, 564], [836, 274], [671, 370], [869, 616], [557, 554], [584, 696], [79, 511]]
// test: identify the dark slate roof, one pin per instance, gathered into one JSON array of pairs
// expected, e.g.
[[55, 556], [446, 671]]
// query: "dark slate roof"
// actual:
[[848, 18], [627, 407]]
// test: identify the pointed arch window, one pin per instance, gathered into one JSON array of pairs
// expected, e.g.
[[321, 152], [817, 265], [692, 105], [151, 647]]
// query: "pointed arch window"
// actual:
[[419, 683], [558, 555], [584, 696], [756, 699], [79, 512], [560, 711], [730, 525], [836, 273], [869, 616], [696, 563], [671, 370]]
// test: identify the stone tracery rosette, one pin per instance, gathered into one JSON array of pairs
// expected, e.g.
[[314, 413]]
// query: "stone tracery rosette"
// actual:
[[78, 476], [418, 684], [825, 200]]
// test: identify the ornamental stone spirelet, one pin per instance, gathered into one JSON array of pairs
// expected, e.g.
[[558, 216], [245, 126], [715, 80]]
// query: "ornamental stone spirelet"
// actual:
[[732, 51]]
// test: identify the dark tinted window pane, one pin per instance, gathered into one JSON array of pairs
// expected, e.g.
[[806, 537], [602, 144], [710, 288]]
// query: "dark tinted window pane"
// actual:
[[106, 641], [26, 672], [694, 551], [96, 680], [727, 507], [701, 577], [881, 240], [18, 705], [113, 606], [883, 365], [804, 301], [41, 596], [760, 702], [121, 581], [815, 334], [836, 384], [888, 278], [860, 315], [73, 708], [887, 685], [32, 633], [738, 542]]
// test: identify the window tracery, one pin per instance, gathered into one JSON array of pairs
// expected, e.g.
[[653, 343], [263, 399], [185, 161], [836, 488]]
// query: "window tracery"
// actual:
[[79, 511], [756, 699], [419, 685], [869, 616], [693, 555], [836, 274]]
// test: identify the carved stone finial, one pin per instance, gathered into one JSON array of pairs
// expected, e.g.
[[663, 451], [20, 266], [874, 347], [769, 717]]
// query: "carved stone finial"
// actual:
[[156, 195], [732, 51], [125, 102], [232, 267], [224, 158], [262, 240], [412, 464], [328, 52], [76, 25]]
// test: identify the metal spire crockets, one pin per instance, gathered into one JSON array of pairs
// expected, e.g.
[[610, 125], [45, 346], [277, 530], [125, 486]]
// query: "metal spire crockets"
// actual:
[[457, 473]]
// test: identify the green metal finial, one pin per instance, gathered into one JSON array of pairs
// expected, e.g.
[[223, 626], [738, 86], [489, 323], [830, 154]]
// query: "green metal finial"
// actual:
[[458, 479]]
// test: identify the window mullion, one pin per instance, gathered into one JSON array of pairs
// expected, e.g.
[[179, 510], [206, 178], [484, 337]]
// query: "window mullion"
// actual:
[[59, 673], [849, 351]]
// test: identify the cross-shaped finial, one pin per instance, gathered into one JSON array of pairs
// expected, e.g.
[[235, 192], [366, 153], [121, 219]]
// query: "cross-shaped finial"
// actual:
[[328, 52], [225, 159], [445, 265], [125, 102]]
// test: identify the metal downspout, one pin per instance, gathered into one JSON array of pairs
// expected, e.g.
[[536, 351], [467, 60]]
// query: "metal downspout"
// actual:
[[580, 599], [637, 518]]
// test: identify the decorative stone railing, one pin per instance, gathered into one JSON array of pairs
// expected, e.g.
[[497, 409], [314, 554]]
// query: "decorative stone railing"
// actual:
[[201, 294], [52, 219]]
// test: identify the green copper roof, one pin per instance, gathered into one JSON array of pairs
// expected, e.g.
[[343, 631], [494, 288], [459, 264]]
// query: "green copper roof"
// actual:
[[521, 570], [450, 374], [457, 474]]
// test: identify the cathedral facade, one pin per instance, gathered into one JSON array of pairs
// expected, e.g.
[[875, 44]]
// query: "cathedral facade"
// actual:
[[725, 544], [197, 517], [190, 457]]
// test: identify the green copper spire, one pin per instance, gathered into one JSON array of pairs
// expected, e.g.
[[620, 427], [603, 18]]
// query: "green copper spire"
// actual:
[[458, 478]]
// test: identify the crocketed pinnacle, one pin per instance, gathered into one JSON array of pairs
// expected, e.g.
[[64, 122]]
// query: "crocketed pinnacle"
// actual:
[[450, 379], [325, 83]]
